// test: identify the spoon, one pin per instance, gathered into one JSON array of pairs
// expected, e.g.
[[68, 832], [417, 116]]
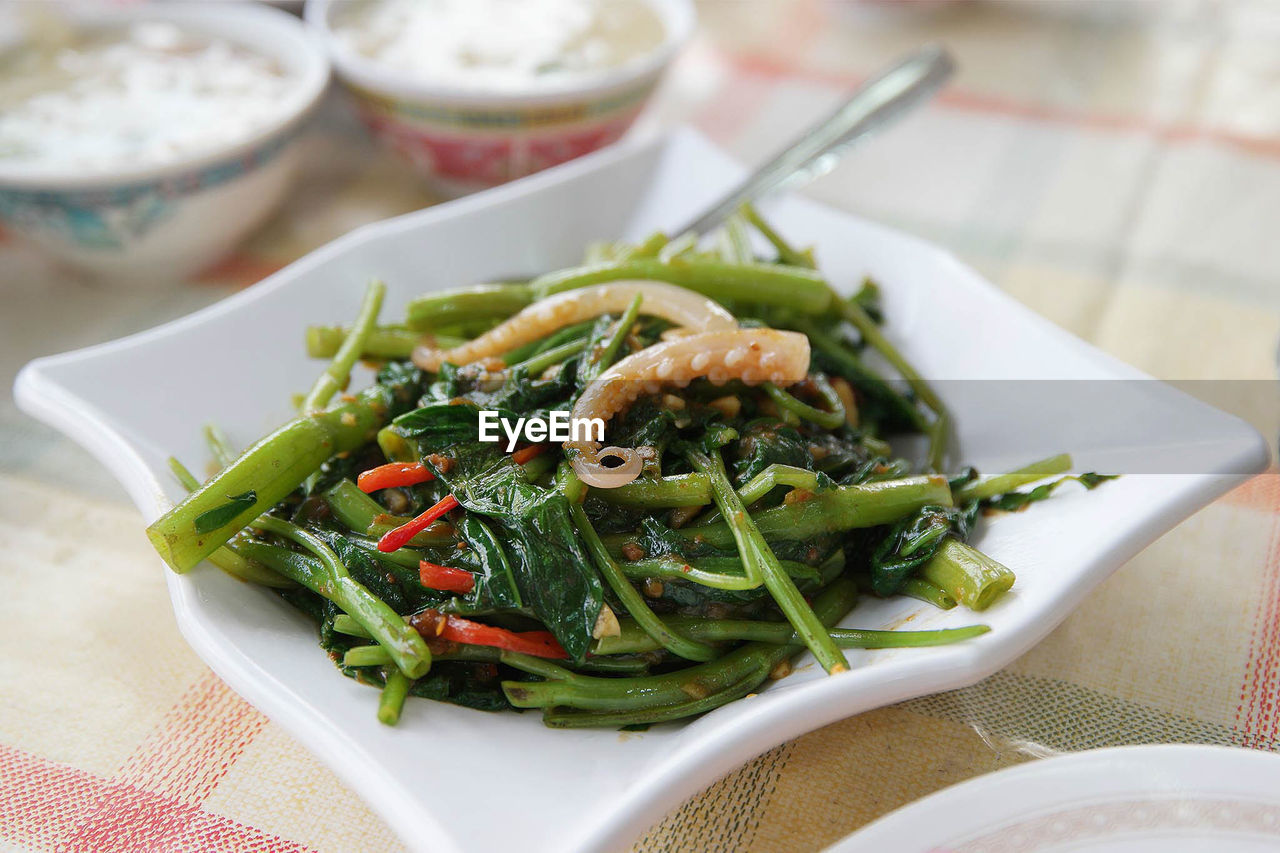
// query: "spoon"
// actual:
[[885, 98], [880, 101]]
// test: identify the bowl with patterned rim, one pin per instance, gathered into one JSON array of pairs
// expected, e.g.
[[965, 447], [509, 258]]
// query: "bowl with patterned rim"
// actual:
[[462, 139], [138, 222]]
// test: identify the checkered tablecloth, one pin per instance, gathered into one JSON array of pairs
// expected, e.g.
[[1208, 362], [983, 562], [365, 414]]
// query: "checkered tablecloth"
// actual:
[[1115, 166]]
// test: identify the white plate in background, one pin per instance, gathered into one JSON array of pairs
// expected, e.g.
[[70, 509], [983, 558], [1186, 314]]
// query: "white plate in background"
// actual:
[[1170, 798], [437, 776]]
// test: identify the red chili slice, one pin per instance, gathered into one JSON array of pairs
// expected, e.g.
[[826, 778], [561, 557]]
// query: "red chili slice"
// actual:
[[394, 474], [524, 454], [394, 540], [541, 644], [446, 578]]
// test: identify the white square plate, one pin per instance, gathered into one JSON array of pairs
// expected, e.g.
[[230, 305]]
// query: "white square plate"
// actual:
[[136, 401]]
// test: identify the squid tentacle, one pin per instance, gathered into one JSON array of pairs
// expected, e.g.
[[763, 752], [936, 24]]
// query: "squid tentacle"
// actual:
[[679, 305], [750, 355]]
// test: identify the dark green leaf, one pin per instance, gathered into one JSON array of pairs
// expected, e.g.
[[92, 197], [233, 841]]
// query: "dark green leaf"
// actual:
[[495, 582], [224, 514], [440, 424], [765, 442], [914, 540], [472, 685], [554, 575]]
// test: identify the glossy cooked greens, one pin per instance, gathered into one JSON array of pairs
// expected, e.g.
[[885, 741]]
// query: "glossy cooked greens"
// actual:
[[441, 566]]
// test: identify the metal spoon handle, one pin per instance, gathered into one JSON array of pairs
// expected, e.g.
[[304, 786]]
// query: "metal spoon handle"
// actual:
[[875, 104]]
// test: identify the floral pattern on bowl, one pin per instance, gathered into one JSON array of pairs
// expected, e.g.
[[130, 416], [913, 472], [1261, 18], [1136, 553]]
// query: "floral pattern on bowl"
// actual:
[[462, 139], [114, 219], [162, 221], [462, 149]]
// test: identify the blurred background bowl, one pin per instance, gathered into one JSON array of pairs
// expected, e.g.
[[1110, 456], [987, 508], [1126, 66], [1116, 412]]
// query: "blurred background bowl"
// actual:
[[171, 220], [463, 140]]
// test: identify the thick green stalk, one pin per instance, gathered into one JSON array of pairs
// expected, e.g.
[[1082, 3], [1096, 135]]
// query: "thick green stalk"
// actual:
[[566, 719], [766, 284], [989, 487], [649, 693], [776, 475], [373, 655], [383, 343], [660, 492], [634, 640], [404, 644], [613, 694], [968, 575], [766, 481], [391, 702], [694, 489], [760, 561], [352, 507], [338, 373], [830, 511], [225, 558], [267, 472], [540, 667], [923, 590], [463, 305], [344, 624]]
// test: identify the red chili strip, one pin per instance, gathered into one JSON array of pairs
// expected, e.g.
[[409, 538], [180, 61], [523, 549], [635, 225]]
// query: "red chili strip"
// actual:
[[394, 540], [446, 578], [394, 474], [540, 644], [524, 454]]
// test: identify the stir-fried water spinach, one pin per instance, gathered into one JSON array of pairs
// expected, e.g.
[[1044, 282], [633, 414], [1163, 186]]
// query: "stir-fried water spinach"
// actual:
[[749, 495]]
